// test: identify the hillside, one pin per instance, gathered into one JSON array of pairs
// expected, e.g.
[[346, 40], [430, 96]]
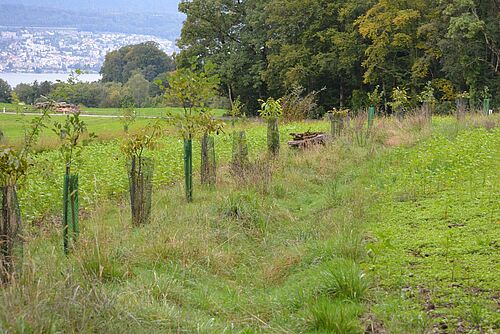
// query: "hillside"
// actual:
[[123, 6], [165, 24]]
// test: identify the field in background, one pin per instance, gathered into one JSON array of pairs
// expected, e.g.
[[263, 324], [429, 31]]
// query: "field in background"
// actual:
[[141, 112], [145, 112], [105, 128], [102, 165]]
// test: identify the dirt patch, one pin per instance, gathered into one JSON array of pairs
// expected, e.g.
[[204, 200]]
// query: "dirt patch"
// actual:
[[373, 325]]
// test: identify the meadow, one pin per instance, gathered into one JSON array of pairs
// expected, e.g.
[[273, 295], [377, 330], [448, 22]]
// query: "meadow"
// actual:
[[102, 164], [393, 230], [105, 128], [140, 112]]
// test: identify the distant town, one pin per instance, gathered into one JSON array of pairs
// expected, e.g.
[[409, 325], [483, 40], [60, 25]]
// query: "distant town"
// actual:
[[60, 50]]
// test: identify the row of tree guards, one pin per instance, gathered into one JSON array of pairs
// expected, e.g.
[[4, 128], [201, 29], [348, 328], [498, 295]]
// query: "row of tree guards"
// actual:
[[187, 88]]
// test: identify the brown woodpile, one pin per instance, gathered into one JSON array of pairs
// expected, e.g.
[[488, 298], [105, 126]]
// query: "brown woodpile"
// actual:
[[307, 139], [59, 107]]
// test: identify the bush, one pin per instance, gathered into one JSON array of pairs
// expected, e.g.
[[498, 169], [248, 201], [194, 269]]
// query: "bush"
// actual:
[[296, 106]]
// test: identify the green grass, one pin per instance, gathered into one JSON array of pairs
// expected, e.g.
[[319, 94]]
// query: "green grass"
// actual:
[[102, 167], [435, 234], [334, 242], [141, 112], [246, 257], [106, 128], [7, 106]]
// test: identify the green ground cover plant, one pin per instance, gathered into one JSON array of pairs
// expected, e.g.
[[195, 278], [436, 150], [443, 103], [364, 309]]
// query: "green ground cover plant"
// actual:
[[261, 259], [435, 236], [101, 167], [105, 129]]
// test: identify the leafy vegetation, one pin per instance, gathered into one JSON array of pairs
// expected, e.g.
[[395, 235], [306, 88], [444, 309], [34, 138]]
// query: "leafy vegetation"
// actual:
[[140, 171], [102, 173], [14, 165], [271, 110], [128, 76], [193, 90], [390, 226], [266, 48], [145, 58]]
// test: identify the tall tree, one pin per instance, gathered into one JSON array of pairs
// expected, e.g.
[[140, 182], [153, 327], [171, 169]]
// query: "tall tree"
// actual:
[[344, 48], [231, 34], [396, 30], [314, 44], [5, 91], [138, 87], [146, 58], [471, 45]]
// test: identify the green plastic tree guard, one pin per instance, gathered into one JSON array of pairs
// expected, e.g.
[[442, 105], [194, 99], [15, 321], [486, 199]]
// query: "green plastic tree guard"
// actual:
[[486, 106], [371, 116], [11, 245], [70, 210], [188, 168]]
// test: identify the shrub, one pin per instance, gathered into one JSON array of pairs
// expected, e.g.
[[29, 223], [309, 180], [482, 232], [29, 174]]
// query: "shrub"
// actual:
[[272, 110], [296, 106]]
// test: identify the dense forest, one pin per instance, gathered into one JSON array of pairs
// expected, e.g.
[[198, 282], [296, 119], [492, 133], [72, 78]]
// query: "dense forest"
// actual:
[[345, 49]]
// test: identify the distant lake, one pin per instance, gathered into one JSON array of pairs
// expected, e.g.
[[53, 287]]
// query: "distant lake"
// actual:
[[16, 78]]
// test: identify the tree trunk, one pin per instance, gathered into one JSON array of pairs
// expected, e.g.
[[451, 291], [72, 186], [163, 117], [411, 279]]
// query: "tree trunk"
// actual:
[[141, 189], [208, 167], [11, 245]]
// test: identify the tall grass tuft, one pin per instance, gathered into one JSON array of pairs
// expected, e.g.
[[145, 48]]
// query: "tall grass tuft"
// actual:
[[345, 280], [335, 317], [243, 207]]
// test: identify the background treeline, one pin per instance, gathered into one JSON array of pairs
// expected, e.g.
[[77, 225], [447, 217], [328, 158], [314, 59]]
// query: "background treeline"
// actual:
[[128, 79], [343, 49]]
